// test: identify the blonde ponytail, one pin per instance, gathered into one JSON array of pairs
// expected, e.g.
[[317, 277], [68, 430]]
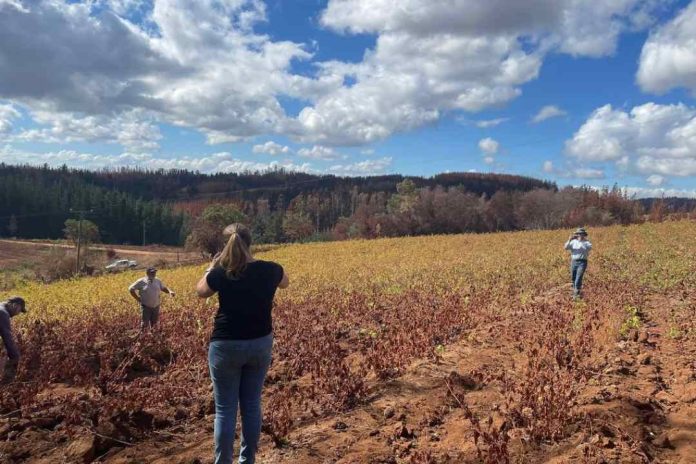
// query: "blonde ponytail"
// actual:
[[237, 252]]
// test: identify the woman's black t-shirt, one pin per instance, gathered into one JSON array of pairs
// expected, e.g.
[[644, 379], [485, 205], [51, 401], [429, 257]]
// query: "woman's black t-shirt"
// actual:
[[246, 302]]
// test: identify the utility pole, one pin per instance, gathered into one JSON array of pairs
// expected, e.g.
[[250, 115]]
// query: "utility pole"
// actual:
[[144, 229], [81, 214]]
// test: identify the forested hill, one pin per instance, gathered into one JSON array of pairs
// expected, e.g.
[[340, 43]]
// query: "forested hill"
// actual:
[[136, 206], [175, 185], [36, 201]]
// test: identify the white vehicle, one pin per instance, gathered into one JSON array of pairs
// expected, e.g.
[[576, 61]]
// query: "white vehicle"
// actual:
[[121, 265]]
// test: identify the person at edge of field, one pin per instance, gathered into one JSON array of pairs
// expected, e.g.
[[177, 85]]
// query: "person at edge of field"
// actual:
[[239, 353], [8, 310], [146, 291], [579, 248]]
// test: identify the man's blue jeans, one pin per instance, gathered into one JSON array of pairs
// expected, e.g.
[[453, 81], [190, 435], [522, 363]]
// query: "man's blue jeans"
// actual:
[[238, 369], [577, 271]]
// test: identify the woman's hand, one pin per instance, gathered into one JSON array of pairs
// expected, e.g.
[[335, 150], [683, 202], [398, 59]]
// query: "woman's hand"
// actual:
[[285, 281]]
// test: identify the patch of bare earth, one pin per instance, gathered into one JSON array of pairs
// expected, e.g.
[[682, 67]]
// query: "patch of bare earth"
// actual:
[[638, 405], [633, 401]]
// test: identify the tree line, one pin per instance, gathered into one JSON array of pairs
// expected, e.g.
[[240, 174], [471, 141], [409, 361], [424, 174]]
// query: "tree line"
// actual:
[[438, 210], [37, 202], [181, 185], [413, 210], [177, 207]]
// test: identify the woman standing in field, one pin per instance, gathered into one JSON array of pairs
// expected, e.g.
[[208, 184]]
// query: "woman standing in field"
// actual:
[[579, 248], [240, 348]]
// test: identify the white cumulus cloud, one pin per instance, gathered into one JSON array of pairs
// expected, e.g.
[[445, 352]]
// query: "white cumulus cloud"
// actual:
[[650, 138], [548, 112], [193, 64], [489, 146], [578, 27], [668, 58], [319, 152], [655, 180], [271, 148], [585, 173], [658, 192], [133, 130], [8, 113], [362, 168], [204, 64], [486, 123], [573, 172], [434, 57], [217, 162]]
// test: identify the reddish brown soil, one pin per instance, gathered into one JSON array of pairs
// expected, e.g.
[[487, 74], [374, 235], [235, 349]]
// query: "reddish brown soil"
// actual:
[[639, 407], [13, 253], [22, 249]]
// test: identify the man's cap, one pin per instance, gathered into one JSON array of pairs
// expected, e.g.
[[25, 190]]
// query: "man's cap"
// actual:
[[581, 231], [20, 301], [227, 231], [151, 269]]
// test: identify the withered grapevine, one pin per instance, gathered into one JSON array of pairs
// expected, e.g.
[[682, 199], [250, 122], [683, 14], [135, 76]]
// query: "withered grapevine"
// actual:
[[357, 313]]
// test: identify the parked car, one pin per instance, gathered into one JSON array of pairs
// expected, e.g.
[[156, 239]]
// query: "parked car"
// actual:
[[121, 265]]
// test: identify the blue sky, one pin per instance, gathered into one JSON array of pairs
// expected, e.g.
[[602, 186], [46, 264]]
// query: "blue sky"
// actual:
[[596, 92]]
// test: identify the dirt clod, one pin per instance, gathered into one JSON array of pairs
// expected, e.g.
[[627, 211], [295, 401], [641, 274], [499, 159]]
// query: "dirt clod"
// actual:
[[81, 449], [401, 431], [662, 441]]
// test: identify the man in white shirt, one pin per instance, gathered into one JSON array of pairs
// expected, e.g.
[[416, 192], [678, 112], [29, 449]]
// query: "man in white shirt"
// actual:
[[579, 248], [146, 291]]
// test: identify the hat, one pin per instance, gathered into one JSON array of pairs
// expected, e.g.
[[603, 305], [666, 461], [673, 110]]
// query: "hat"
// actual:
[[151, 270], [20, 301], [581, 231], [228, 230]]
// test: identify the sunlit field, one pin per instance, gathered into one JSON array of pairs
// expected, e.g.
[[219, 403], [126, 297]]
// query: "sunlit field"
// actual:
[[357, 315]]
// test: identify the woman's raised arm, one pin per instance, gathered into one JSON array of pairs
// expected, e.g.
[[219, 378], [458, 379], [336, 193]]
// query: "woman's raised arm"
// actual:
[[202, 288]]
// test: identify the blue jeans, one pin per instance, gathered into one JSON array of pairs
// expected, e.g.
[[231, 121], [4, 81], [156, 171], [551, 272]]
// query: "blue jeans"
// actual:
[[577, 271], [238, 369]]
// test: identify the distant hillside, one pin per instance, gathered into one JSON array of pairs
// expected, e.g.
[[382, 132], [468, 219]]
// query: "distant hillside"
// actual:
[[132, 206], [35, 203], [175, 185], [671, 204], [138, 206]]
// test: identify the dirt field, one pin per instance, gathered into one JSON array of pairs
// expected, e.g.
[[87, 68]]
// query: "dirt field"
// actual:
[[421, 350], [642, 406], [12, 251], [25, 254]]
